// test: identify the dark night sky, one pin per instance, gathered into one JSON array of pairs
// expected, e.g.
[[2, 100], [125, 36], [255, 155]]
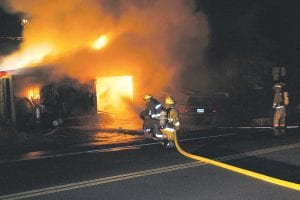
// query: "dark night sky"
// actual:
[[249, 36], [9, 24], [9, 27], [265, 27]]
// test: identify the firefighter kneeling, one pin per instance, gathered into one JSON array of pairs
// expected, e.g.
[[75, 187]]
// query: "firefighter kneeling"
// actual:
[[169, 122], [150, 117]]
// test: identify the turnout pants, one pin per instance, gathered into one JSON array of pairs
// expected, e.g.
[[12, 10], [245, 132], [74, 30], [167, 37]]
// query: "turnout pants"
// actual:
[[279, 117]]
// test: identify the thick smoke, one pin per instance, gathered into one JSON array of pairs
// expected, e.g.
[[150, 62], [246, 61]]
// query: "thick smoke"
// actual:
[[153, 40]]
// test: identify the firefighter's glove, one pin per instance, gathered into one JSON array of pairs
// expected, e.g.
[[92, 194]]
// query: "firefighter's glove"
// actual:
[[143, 114]]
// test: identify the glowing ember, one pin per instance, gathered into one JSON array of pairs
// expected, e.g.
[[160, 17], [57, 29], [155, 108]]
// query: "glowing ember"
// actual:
[[100, 42], [33, 94], [3, 74], [114, 94]]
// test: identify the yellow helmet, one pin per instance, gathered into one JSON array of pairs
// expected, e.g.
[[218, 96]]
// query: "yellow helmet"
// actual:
[[278, 85], [169, 100], [147, 97]]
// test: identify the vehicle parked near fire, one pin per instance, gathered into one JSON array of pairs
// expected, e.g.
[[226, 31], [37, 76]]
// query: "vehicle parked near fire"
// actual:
[[202, 110]]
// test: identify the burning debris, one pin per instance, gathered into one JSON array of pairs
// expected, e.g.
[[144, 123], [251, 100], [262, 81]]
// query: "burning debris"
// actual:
[[33, 94], [50, 103], [114, 93]]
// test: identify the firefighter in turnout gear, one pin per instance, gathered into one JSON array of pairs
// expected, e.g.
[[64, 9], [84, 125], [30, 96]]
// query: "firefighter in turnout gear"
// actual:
[[281, 100], [150, 116], [169, 122]]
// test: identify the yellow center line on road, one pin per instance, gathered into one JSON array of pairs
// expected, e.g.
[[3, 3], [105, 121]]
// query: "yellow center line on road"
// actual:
[[95, 182], [283, 183]]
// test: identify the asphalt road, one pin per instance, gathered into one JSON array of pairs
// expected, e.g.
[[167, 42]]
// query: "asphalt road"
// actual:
[[144, 170]]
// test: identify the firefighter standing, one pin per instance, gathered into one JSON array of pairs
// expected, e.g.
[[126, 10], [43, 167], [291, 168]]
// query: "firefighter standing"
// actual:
[[150, 117], [281, 100], [169, 121]]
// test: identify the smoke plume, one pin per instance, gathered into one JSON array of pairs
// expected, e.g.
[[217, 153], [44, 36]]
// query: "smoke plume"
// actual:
[[153, 40]]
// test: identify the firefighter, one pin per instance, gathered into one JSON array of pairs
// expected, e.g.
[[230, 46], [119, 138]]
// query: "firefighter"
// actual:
[[281, 100], [150, 117], [169, 122]]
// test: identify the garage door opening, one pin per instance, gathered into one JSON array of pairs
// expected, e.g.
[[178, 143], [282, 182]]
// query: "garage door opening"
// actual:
[[114, 94]]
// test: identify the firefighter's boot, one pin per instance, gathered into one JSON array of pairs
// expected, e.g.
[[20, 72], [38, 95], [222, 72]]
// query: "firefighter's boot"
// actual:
[[282, 130], [168, 141], [276, 131]]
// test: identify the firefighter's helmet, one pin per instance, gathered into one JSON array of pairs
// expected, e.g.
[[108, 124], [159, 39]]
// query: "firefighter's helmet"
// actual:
[[278, 87], [169, 100], [147, 97]]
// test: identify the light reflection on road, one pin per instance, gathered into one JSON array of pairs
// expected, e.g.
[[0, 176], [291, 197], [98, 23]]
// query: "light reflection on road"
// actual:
[[34, 154], [103, 138], [104, 130], [122, 129]]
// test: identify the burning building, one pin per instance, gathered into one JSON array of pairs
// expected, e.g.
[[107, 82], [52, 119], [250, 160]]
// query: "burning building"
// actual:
[[29, 99], [126, 48]]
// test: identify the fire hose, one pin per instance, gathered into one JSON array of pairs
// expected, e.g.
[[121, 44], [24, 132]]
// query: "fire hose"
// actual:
[[246, 172]]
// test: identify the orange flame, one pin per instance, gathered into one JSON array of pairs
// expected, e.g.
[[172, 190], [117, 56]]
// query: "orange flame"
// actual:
[[33, 93], [114, 93], [101, 42]]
